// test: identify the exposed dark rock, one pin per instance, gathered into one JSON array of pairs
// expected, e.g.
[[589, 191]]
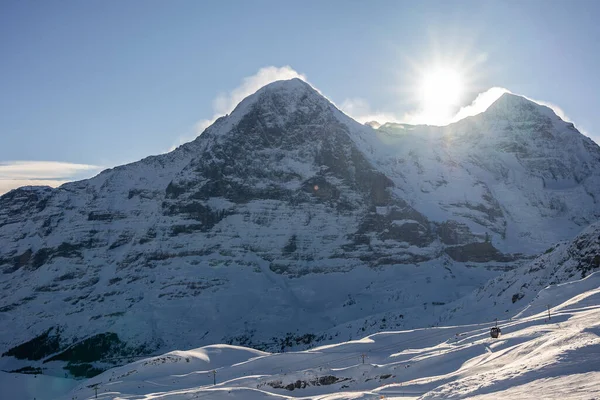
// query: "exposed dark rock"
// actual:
[[291, 245], [43, 345], [123, 239], [28, 370], [186, 229], [83, 370], [477, 252], [102, 346], [517, 296], [105, 216], [452, 233], [197, 211], [302, 384]]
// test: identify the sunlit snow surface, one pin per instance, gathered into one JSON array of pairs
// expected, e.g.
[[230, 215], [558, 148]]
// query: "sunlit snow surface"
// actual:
[[534, 358]]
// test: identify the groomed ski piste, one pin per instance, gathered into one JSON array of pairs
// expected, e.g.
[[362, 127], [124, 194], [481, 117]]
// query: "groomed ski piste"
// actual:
[[536, 357]]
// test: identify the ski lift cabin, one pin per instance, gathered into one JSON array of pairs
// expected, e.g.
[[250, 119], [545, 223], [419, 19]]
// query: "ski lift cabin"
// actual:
[[495, 332]]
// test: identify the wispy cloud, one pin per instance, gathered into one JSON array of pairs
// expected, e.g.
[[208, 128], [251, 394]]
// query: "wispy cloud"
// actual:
[[225, 102], [14, 174]]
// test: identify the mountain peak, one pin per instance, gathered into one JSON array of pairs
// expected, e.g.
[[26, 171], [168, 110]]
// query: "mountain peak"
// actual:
[[292, 89], [513, 106], [279, 100], [286, 85], [512, 97]]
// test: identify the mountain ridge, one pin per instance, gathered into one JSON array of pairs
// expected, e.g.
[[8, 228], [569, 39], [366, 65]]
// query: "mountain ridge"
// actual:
[[280, 224]]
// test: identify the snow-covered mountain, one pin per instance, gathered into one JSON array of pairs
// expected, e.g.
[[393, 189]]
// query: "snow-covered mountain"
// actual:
[[285, 224]]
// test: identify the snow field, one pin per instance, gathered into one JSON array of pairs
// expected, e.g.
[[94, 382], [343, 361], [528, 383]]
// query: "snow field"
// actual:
[[534, 356]]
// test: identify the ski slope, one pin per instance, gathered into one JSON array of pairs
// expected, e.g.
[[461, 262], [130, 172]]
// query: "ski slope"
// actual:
[[535, 357]]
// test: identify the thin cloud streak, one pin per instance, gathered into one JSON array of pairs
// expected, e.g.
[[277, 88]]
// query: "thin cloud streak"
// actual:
[[14, 174]]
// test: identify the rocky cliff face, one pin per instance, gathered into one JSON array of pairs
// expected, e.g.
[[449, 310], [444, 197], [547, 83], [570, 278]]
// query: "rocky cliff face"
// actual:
[[284, 224]]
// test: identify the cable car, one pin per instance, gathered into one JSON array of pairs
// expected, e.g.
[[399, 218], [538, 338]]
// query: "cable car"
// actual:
[[495, 332]]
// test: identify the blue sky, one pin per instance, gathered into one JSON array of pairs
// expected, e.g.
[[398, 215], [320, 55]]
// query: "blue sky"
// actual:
[[101, 83]]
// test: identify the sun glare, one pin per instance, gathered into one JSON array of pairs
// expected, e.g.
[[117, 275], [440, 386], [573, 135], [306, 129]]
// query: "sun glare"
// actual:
[[440, 92]]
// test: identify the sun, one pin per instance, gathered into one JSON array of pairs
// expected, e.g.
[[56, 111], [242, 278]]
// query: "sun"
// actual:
[[440, 92], [434, 83]]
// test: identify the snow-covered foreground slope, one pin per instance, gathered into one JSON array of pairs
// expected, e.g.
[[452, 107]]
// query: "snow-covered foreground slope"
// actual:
[[535, 358]]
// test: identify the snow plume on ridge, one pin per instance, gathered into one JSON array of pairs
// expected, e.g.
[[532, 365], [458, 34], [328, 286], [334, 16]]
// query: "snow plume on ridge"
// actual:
[[480, 104], [14, 174], [487, 98], [557, 110], [225, 102]]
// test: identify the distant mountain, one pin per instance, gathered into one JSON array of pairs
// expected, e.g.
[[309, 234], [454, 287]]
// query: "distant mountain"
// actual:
[[283, 225]]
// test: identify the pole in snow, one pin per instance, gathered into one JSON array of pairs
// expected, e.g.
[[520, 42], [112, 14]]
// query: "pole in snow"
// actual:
[[363, 355], [548, 312], [95, 387], [214, 372]]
